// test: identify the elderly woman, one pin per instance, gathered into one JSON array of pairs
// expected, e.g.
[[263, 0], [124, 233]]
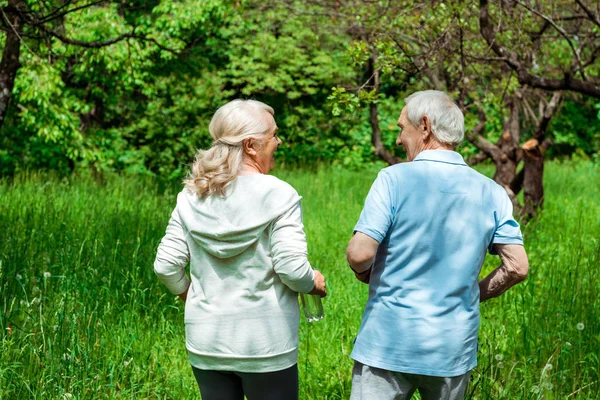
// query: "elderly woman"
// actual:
[[241, 232]]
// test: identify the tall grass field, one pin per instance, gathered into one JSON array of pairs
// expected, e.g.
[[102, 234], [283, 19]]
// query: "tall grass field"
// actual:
[[83, 316]]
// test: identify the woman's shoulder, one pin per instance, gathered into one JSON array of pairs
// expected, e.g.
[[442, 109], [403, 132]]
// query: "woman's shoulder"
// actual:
[[268, 183]]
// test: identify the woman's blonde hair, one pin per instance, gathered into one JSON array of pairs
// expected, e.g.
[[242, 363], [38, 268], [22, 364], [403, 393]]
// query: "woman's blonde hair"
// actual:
[[214, 169]]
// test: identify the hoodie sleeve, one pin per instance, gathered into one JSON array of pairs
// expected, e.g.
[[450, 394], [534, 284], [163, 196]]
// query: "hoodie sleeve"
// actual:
[[172, 257], [289, 251]]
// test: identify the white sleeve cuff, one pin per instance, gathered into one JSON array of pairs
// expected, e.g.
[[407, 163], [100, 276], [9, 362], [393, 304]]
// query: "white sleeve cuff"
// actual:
[[177, 283]]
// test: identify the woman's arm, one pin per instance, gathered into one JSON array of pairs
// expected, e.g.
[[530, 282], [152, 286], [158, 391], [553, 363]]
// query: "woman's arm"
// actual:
[[172, 257], [289, 254]]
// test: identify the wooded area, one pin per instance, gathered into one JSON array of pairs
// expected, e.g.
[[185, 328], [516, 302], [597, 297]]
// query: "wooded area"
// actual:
[[131, 85]]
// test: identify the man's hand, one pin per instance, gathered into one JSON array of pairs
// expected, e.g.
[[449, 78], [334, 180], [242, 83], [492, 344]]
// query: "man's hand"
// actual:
[[319, 285]]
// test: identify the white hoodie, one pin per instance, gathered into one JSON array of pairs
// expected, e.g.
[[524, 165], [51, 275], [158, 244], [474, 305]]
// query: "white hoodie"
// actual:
[[248, 259]]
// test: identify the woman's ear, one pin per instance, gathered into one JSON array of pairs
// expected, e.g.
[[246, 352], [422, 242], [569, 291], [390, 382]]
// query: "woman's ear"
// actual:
[[249, 146]]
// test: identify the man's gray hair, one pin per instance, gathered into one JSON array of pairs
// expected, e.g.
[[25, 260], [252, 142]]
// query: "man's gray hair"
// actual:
[[447, 121]]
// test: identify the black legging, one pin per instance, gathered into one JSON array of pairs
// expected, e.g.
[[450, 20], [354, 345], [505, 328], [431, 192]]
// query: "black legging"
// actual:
[[225, 385]]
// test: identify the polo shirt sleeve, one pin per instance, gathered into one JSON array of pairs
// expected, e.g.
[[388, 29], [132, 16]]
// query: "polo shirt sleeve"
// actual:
[[507, 230], [376, 216]]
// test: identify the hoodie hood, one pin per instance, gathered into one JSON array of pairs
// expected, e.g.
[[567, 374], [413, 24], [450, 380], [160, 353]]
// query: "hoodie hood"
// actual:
[[226, 226]]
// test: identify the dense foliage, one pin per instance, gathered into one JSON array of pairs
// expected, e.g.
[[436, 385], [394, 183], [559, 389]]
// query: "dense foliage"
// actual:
[[142, 104]]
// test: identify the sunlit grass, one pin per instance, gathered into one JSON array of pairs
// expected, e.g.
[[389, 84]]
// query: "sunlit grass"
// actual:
[[82, 313]]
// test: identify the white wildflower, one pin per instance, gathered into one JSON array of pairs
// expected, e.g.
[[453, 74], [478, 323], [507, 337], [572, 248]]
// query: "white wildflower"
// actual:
[[548, 386], [500, 364], [499, 357], [68, 396], [19, 277], [580, 326], [47, 274], [548, 367]]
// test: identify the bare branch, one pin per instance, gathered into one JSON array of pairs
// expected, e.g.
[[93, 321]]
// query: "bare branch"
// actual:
[[482, 143], [475, 58], [104, 43], [529, 111], [544, 120], [559, 30], [478, 158], [54, 15], [82, 43], [523, 75], [593, 17]]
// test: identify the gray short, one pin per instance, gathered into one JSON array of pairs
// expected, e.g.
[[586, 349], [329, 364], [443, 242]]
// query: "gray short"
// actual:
[[370, 383]]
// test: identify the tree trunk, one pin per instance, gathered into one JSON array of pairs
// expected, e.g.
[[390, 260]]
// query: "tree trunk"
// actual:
[[508, 144], [380, 149], [533, 181], [506, 165], [533, 155], [10, 56]]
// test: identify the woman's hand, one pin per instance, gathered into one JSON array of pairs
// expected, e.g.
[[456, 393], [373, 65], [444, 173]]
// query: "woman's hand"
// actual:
[[319, 284], [183, 296]]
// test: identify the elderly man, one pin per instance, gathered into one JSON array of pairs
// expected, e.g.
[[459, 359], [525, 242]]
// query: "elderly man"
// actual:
[[420, 242]]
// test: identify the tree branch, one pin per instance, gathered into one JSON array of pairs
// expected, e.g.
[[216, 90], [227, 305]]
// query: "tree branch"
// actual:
[[523, 75], [544, 119], [103, 43], [559, 30], [55, 15], [593, 17], [83, 43], [482, 143], [478, 158]]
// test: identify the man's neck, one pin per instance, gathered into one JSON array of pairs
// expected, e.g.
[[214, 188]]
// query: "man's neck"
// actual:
[[435, 145]]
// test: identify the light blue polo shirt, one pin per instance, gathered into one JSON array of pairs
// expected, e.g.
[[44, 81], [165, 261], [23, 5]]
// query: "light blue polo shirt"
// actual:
[[434, 218]]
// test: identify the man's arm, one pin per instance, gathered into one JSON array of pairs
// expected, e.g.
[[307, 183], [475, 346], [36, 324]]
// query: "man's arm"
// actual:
[[514, 269], [361, 254]]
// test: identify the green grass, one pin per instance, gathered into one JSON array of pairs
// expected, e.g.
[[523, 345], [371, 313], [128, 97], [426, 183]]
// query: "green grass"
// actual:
[[82, 313]]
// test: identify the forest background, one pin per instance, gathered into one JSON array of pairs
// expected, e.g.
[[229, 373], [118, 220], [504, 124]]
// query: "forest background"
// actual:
[[131, 85], [104, 103]]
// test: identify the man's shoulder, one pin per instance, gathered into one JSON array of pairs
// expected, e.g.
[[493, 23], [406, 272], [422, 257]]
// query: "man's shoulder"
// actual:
[[407, 172]]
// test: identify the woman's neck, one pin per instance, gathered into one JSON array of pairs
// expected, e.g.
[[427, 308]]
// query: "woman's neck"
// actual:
[[249, 169]]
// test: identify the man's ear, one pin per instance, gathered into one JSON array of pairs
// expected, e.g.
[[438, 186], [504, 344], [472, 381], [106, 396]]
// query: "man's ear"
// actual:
[[249, 146], [425, 127]]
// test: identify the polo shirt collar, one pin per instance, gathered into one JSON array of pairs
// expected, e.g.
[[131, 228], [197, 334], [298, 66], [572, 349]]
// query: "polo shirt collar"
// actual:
[[443, 156]]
